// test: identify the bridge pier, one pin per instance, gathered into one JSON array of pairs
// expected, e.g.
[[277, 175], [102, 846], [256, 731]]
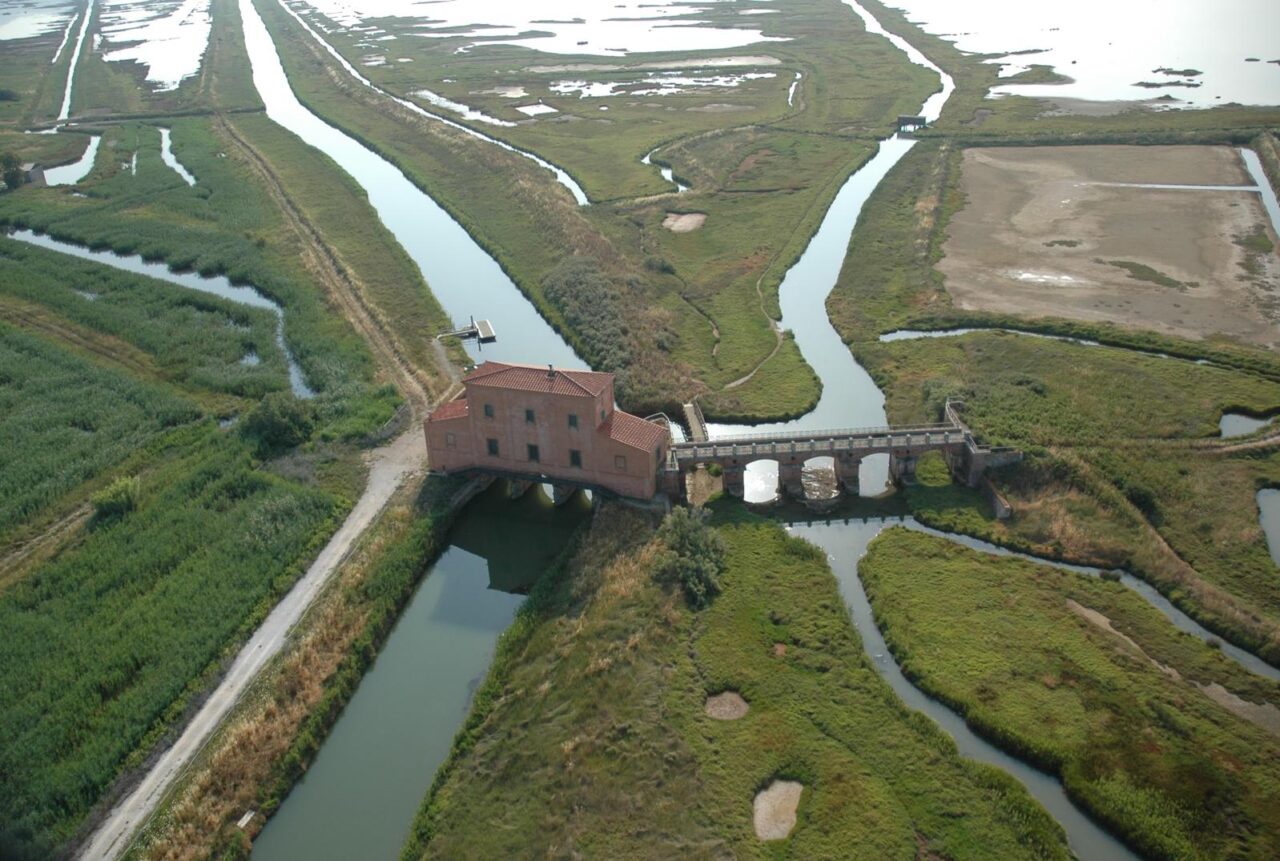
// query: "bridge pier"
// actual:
[[562, 493], [902, 468], [791, 479], [674, 484], [735, 480], [847, 467]]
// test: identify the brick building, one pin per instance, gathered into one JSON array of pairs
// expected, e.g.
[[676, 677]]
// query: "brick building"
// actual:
[[546, 424]]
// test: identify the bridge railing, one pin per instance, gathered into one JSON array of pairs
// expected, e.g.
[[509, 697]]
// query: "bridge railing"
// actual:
[[824, 434]]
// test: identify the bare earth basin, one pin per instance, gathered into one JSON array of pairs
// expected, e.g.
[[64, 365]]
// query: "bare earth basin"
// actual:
[[727, 706], [1063, 231], [775, 809], [684, 222]]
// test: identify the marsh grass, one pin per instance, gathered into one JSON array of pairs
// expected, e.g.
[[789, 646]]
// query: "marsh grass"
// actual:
[[156, 599], [1176, 774]]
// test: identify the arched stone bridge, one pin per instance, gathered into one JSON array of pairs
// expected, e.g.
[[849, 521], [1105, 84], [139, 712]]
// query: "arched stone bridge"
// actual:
[[847, 447]]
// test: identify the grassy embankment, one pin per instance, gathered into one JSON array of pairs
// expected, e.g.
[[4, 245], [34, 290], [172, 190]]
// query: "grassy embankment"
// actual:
[[716, 280], [590, 737], [1084, 678]]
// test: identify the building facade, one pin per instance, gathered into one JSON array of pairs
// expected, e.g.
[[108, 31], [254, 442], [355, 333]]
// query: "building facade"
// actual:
[[546, 424]]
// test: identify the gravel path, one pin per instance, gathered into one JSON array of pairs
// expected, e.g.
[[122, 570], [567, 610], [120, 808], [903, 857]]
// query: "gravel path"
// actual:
[[389, 466]]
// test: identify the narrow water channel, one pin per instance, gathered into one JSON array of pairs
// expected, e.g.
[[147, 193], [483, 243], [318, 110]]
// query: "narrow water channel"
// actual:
[[845, 545], [561, 175], [65, 112], [465, 279], [850, 398], [166, 153], [358, 799], [73, 172], [1269, 516], [215, 285]]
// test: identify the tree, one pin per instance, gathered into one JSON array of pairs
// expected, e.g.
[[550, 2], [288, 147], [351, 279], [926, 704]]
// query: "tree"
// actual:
[[279, 421], [694, 555], [12, 170]]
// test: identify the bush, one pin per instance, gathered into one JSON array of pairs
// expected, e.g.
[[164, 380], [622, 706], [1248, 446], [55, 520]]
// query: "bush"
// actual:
[[278, 422], [118, 498], [12, 170], [694, 555]]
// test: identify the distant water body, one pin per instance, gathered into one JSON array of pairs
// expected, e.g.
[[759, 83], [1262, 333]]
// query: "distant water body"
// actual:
[[1216, 39]]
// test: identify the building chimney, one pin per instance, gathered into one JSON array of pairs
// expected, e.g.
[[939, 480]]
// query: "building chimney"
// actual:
[[551, 371]]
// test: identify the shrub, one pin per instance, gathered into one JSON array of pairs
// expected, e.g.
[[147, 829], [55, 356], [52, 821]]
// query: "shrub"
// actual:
[[12, 170], [279, 421], [694, 555], [118, 498]]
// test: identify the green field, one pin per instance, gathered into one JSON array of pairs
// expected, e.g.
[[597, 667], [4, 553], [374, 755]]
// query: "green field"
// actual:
[[590, 736], [1082, 677], [200, 339], [154, 599], [64, 420]]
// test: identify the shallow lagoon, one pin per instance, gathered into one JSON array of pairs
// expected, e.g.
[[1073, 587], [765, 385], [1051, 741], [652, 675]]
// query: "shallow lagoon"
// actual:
[[1213, 38]]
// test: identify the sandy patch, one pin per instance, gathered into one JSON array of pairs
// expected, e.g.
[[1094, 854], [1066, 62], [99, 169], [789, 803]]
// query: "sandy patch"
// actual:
[[1264, 715], [1041, 233], [684, 222], [774, 809], [727, 706], [1064, 106]]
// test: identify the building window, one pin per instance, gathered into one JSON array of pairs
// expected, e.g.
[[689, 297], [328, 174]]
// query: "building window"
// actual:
[[575, 458], [528, 416], [573, 420], [488, 411], [602, 415], [493, 447], [533, 453], [620, 462], [450, 440]]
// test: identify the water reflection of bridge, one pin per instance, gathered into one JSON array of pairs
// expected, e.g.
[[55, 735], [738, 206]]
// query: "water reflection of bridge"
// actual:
[[846, 447]]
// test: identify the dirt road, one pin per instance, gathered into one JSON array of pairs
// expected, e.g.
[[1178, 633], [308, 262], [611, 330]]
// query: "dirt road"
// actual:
[[389, 466]]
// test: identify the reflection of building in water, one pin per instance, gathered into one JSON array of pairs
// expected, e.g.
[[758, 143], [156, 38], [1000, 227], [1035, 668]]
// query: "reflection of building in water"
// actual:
[[546, 424], [517, 539]]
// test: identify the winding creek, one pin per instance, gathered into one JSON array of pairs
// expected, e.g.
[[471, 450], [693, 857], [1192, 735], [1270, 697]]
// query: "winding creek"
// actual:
[[216, 285], [359, 797]]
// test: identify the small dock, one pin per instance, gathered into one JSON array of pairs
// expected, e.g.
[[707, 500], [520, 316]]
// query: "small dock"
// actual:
[[478, 330]]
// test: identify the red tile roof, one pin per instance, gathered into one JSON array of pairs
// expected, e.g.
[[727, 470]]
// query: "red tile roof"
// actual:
[[452, 410], [633, 431], [537, 378]]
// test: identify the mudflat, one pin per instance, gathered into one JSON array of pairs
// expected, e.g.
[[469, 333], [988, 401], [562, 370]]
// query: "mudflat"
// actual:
[[1051, 231]]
